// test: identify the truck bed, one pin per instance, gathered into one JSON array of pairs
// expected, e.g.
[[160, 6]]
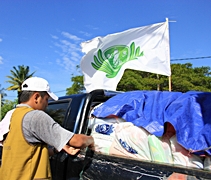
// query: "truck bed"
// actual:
[[101, 166], [74, 111]]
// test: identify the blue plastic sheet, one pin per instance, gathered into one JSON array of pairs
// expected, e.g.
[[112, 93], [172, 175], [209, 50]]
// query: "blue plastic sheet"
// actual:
[[189, 113]]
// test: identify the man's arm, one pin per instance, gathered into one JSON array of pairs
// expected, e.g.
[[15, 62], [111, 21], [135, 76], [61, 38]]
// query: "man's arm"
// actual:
[[57, 136], [78, 142], [81, 141]]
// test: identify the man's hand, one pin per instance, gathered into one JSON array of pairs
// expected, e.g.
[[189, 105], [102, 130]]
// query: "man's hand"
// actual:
[[92, 147], [71, 150]]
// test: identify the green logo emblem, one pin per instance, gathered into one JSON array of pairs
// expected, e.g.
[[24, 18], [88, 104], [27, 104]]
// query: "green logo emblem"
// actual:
[[113, 58]]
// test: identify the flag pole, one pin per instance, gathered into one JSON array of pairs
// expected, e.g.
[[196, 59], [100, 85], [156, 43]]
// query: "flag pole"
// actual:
[[169, 83], [167, 21]]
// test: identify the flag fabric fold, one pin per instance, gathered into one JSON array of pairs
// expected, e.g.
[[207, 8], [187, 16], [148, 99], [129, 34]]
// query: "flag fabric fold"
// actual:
[[106, 58]]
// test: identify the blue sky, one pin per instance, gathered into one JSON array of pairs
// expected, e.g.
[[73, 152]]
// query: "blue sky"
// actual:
[[46, 34]]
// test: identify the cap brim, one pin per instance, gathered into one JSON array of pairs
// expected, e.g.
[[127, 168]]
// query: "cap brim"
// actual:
[[53, 96]]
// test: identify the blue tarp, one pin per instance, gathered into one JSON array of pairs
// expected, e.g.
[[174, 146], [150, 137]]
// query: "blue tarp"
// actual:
[[189, 113]]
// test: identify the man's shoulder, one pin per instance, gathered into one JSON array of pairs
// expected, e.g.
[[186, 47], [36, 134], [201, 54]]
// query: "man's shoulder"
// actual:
[[37, 113], [35, 118]]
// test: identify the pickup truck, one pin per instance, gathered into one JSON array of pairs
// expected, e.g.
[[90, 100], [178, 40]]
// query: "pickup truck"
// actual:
[[72, 113]]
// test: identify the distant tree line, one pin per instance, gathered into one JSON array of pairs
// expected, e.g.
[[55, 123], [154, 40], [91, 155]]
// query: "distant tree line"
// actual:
[[184, 78]]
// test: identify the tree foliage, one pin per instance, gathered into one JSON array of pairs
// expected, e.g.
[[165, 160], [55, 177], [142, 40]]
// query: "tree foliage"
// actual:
[[18, 75], [138, 80], [77, 86], [184, 78], [2, 94], [8, 105]]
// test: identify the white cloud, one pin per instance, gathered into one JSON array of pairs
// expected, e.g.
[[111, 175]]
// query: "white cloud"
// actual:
[[75, 54], [72, 37], [58, 61], [85, 33], [68, 64], [69, 51], [92, 27], [54, 37], [1, 60]]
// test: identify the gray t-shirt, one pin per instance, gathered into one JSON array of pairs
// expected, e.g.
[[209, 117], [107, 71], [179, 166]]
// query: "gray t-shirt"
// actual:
[[39, 127]]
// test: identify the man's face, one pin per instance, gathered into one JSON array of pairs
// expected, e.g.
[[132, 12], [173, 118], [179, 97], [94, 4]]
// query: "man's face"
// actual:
[[42, 102]]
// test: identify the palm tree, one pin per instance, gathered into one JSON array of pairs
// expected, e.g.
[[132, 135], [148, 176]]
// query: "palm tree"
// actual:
[[2, 94], [19, 75]]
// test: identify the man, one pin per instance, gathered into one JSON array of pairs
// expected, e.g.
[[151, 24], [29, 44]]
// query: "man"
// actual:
[[25, 152]]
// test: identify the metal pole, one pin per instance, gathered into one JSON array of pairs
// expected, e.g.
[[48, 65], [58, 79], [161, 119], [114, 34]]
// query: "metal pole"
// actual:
[[169, 83], [167, 20], [158, 85]]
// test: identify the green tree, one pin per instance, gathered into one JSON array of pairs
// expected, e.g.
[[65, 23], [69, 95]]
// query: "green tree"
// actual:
[[184, 78], [18, 75], [8, 105], [2, 94], [77, 86], [139, 80]]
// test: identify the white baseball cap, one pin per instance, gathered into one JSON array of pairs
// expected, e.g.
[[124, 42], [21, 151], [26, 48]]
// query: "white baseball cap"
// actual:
[[38, 84]]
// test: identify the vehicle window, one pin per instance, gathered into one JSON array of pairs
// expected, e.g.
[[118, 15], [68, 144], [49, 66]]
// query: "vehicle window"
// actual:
[[57, 111]]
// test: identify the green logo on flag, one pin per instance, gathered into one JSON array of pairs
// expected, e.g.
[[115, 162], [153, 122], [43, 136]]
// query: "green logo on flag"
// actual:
[[113, 58]]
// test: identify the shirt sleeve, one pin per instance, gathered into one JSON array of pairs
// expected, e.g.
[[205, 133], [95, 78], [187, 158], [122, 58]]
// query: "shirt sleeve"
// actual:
[[39, 127]]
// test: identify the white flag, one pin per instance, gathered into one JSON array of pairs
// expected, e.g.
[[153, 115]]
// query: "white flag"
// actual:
[[145, 49]]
